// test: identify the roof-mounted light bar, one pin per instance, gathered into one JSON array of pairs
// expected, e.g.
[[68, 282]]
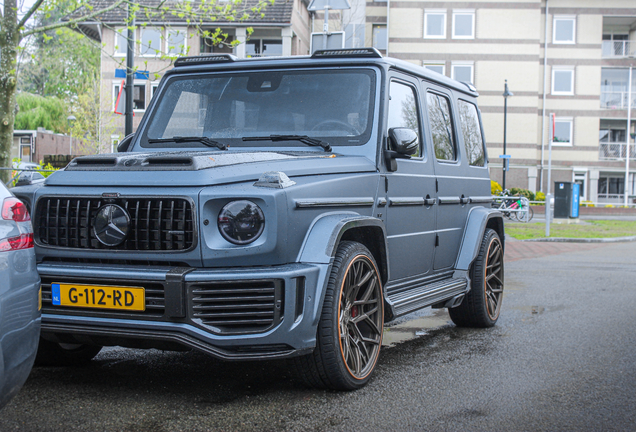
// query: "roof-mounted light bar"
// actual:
[[205, 59], [357, 52]]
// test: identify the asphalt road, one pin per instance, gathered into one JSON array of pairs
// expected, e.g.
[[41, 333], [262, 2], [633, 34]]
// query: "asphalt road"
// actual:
[[562, 357]]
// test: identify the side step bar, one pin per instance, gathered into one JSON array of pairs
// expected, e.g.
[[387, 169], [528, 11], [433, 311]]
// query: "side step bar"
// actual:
[[420, 297]]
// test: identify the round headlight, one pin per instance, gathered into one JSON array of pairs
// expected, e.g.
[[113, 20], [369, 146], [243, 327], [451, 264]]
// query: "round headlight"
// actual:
[[241, 222]]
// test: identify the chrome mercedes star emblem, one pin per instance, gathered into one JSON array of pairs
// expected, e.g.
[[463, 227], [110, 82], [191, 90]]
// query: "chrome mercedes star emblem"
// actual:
[[111, 225]]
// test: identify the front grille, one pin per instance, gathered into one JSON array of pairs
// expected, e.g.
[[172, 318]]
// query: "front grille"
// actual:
[[154, 296], [238, 307], [156, 224]]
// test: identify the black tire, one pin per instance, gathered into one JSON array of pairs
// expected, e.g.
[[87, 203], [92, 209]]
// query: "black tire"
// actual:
[[59, 354], [345, 360], [482, 304]]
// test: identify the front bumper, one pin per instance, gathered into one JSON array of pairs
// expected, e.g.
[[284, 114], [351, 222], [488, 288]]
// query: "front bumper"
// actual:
[[232, 314]]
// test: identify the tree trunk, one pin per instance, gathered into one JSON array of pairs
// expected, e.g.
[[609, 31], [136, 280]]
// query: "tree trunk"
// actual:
[[9, 40]]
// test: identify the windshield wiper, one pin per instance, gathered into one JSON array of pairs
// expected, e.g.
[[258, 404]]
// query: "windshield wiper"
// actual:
[[180, 139], [301, 138]]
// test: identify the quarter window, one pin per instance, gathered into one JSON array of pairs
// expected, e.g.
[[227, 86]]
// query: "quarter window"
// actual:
[[563, 29], [435, 23], [403, 109], [441, 127], [471, 132]]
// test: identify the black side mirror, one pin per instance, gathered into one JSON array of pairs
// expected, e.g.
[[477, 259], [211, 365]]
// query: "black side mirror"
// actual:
[[125, 143], [404, 141]]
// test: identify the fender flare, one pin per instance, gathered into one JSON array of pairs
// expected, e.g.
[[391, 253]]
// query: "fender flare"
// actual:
[[324, 234], [476, 224]]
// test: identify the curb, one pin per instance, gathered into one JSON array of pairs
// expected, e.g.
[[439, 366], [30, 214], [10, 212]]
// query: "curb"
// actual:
[[582, 240]]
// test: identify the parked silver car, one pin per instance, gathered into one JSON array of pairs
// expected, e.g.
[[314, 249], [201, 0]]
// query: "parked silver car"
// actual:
[[19, 296]]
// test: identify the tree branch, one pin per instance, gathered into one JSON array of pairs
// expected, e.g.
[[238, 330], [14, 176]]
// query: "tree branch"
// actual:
[[29, 13], [71, 23]]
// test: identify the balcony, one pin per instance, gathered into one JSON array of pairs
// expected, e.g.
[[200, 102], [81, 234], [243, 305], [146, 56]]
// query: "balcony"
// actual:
[[617, 99], [615, 151], [618, 49]]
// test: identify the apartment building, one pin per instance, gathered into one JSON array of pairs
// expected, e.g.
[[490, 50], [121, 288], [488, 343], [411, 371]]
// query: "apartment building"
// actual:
[[590, 48], [282, 30]]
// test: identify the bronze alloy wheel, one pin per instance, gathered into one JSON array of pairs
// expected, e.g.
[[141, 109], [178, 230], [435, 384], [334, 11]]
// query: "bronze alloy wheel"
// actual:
[[360, 317], [482, 304], [349, 334], [493, 278]]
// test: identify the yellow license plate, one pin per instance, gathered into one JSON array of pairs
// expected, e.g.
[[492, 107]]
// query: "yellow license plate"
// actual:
[[98, 296]]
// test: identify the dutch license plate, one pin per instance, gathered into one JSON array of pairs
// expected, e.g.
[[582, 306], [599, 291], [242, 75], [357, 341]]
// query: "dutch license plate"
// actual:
[[98, 296]]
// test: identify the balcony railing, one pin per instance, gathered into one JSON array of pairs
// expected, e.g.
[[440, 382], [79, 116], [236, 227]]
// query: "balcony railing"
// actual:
[[617, 99], [618, 48], [615, 151]]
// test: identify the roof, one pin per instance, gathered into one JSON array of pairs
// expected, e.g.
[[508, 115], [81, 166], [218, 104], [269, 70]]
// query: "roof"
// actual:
[[278, 13]]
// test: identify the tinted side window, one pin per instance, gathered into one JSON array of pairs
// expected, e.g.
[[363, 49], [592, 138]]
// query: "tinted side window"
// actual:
[[403, 109], [471, 131], [441, 127]]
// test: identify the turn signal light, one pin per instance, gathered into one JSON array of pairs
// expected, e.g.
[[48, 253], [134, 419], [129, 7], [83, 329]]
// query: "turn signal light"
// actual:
[[14, 209], [23, 241]]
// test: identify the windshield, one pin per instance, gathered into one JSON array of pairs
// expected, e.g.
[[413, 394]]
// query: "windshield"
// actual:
[[335, 106]]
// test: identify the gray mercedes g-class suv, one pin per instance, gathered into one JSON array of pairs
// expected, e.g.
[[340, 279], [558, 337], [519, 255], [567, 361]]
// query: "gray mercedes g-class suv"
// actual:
[[270, 208]]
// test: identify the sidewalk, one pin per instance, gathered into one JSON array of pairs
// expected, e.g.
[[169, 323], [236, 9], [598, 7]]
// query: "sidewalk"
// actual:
[[517, 250]]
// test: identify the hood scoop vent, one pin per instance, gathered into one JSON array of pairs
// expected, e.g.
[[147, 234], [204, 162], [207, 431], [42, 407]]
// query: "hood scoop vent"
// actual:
[[95, 162], [168, 161]]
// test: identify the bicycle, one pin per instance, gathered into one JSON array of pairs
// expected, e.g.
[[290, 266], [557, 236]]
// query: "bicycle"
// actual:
[[514, 208]]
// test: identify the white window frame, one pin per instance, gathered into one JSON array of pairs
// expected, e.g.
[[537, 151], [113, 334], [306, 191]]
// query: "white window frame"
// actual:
[[554, 25], [113, 146], [435, 12], [581, 172], [470, 12], [158, 50], [565, 120], [118, 31], [183, 30], [144, 83], [464, 64], [556, 69], [426, 63]]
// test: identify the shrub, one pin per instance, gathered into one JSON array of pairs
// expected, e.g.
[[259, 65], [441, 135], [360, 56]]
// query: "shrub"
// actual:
[[495, 188], [587, 204], [522, 192], [539, 196]]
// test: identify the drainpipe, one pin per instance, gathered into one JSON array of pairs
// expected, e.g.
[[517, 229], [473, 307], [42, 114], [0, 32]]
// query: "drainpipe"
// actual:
[[388, 13], [545, 79], [629, 129]]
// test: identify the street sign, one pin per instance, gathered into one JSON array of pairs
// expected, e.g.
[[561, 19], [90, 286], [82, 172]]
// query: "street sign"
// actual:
[[504, 156]]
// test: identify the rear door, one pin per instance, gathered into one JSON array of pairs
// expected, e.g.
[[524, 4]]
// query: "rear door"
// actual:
[[450, 171]]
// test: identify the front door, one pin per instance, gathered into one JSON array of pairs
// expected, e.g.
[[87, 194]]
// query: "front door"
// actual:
[[410, 190]]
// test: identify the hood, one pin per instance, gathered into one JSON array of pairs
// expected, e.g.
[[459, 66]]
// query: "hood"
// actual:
[[197, 168]]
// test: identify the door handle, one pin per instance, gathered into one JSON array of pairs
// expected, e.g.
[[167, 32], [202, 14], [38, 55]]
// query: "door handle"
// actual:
[[430, 201]]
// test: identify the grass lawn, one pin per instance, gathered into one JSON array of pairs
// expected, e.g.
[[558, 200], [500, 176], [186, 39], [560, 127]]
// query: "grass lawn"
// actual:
[[587, 229]]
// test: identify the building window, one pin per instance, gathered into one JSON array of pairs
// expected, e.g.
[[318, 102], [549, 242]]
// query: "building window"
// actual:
[[616, 45], [114, 140], [263, 47], [176, 41], [121, 41], [441, 127], [562, 81], [611, 187], [139, 98], [379, 37], [563, 29], [403, 110], [150, 42], [562, 132], [438, 67], [153, 89], [471, 132], [435, 23], [462, 72], [463, 24]]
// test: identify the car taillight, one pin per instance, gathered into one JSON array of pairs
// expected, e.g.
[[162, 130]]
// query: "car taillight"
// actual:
[[13, 209], [23, 241]]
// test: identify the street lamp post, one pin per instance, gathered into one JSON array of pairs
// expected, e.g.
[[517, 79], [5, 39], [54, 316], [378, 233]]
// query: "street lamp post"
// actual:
[[71, 122], [506, 94]]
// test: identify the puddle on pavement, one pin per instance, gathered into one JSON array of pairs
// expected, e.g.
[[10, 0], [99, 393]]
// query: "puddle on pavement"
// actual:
[[414, 328]]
